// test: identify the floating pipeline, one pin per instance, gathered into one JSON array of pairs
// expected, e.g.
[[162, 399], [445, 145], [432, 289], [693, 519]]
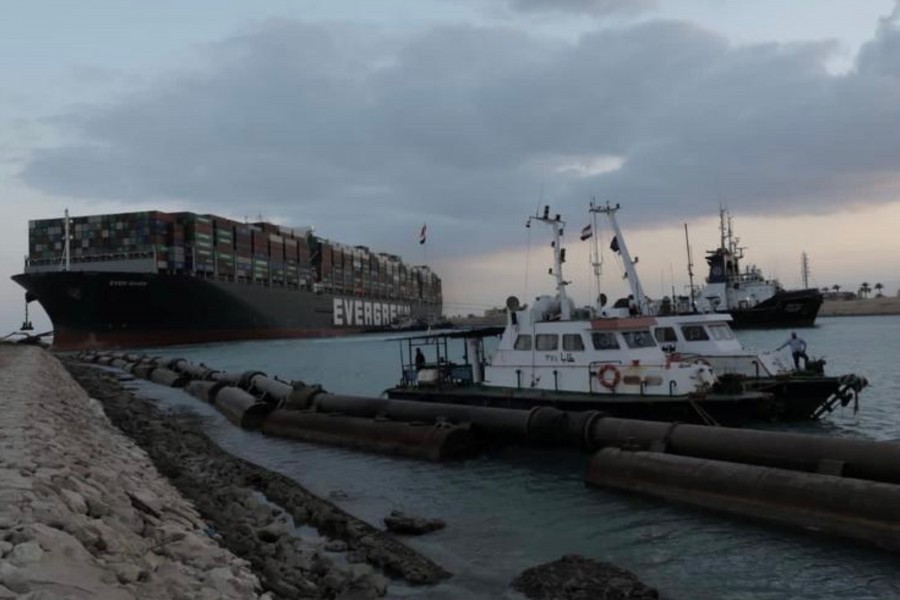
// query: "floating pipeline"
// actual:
[[855, 458], [203, 390], [853, 508], [241, 408], [839, 486], [231, 394], [429, 441]]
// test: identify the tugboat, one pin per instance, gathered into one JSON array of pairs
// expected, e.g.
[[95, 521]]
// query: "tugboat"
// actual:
[[798, 395], [751, 299], [551, 354]]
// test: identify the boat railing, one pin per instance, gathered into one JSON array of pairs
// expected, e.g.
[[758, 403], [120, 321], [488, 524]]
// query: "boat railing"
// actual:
[[437, 374]]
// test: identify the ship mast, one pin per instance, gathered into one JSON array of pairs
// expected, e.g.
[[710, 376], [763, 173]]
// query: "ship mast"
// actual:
[[630, 271], [559, 257], [804, 269], [66, 243]]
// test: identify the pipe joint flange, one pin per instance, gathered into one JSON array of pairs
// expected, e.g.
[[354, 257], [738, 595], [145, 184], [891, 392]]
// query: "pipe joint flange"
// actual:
[[246, 380]]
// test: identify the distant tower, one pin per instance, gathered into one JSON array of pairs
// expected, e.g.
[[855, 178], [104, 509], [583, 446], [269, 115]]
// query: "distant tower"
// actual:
[[804, 269]]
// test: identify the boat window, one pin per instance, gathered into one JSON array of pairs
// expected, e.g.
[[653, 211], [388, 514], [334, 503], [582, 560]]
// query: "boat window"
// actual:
[[573, 342], [546, 341], [694, 333], [638, 339], [665, 334], [604, 341], [523, 342], [721, 332]]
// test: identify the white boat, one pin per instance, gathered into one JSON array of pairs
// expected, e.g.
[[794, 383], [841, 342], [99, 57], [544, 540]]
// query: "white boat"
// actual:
[[708, 336], [544, 347], [551, 353], [705, 335]]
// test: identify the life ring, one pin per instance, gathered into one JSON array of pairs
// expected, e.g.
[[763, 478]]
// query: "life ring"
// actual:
[[609, 383]]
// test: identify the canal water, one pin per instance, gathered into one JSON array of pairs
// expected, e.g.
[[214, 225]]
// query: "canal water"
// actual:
[[518, 507]]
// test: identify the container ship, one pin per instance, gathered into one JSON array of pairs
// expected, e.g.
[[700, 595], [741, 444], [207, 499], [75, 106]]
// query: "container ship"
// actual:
[[156, 278]]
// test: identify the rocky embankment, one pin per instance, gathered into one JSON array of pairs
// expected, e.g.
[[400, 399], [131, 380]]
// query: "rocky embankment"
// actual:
[[88, 512], [861, 307], [83, 511]]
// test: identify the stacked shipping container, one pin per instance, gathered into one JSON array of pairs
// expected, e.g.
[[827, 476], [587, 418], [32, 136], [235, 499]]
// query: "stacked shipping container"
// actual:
[[212, 246]]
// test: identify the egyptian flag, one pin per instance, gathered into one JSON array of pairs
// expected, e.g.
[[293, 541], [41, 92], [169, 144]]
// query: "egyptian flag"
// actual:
[[586, 232], [614, 245], [422, 234]]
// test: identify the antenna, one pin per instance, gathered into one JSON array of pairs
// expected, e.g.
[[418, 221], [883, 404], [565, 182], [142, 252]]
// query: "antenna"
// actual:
[[687, 243]]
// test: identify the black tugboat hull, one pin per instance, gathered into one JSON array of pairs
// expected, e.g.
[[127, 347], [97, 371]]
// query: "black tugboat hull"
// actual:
[[723, 409], [796, 308]]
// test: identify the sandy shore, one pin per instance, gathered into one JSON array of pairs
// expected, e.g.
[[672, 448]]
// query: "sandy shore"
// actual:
[[862, 307], [87, 511]]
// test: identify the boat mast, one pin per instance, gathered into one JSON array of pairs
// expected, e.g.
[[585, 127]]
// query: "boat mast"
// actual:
[[596, 261], [723, 238], [559, 257], [690, 265], [630, 271]]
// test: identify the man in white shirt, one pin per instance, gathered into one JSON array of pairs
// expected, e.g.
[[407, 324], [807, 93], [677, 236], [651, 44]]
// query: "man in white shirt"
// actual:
[[798, 350]]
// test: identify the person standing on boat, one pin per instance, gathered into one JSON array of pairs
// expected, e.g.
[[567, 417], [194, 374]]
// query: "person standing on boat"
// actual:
[[420, 359], [632, 307], [798, 350]]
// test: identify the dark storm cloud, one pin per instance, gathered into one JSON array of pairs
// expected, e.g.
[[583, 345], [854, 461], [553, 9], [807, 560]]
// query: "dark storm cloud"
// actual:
[[465, 128]]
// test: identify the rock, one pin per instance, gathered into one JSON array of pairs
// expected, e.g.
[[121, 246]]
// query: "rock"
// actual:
[[336, 546], [97, 509], [271, 533], [12, 578], [399, 522], [128, 573], [336, 579], [356, 593], [574, 577], [373, 581], [29, 552]]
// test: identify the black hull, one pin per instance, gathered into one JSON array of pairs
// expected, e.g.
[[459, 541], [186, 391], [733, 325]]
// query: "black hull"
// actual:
[[725, 409], [97, 310], [784, 399], [797, 308]]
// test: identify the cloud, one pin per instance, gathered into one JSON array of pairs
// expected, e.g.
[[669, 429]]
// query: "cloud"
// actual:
[[587, 7], [367, 134]]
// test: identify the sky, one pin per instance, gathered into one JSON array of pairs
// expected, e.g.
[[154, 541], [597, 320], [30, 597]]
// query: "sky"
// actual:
[[367, 119]]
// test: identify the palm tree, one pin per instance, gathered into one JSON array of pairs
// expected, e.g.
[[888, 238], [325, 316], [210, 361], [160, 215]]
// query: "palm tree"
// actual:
[[864, 289], [878, 288], [836, 288]]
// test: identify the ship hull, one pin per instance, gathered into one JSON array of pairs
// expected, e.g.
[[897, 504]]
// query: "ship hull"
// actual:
[[797, 308], [724, 409], [100, 310]]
